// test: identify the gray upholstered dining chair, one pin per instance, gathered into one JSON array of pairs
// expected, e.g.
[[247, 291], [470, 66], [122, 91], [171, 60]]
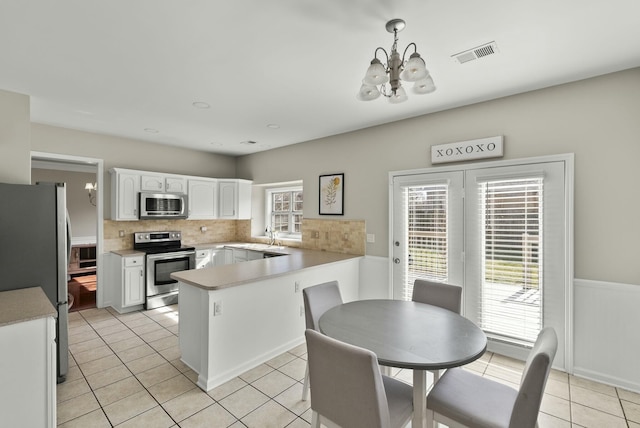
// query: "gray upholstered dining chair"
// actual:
[[317, 300], [439, 294], [464, 399], [349, 389]]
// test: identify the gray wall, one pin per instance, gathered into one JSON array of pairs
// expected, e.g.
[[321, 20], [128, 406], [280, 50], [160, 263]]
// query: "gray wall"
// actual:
[[597, 119], [81, 213], [15, 138]]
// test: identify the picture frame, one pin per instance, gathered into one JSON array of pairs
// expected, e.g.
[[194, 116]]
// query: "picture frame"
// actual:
[[331, 194]]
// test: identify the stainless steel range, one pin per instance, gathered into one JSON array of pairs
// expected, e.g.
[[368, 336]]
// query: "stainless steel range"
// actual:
[[165, 255]]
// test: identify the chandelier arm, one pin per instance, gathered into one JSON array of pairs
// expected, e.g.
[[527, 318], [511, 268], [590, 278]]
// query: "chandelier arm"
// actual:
[[375, 55], [415, 50]]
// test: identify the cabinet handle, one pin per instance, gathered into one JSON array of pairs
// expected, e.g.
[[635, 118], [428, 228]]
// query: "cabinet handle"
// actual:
[[141, 273]]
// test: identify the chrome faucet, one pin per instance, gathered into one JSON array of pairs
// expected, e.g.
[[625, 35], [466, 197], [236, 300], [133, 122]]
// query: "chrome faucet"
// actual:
[[271, 234]]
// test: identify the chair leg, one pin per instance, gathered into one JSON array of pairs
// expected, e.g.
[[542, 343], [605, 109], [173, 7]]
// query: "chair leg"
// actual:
[[436, 376], [315, 420], [431, 422], [305, 385]]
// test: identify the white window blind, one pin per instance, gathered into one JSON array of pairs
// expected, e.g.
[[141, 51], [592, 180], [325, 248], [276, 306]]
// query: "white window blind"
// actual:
[[511, 289], [426, 220]]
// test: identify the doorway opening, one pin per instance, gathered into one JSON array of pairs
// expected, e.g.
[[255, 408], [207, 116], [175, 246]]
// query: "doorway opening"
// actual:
[[85, 210]]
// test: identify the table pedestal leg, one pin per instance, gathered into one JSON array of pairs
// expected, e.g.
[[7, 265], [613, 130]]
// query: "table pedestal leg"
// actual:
[[419, 398]]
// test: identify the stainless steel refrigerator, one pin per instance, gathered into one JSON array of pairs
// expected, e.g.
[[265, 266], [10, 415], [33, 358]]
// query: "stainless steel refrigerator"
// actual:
[[34, 249]]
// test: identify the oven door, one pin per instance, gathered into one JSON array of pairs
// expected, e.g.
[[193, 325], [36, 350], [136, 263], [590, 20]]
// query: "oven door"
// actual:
[[161, 266]]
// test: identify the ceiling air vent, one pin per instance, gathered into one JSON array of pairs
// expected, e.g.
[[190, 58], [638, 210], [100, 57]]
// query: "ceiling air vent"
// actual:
[[477, 52]]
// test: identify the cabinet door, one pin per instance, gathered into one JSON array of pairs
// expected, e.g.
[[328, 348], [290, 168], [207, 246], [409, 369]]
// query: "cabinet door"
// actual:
[[228, 256], [133, 286], [254, 255], [218, 257], [127, 201], [152, 183], [239, 255], [176, 185], [228, 199], [202, 199]]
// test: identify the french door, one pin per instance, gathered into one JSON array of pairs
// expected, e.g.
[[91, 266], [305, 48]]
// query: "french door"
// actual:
[[500, 233]]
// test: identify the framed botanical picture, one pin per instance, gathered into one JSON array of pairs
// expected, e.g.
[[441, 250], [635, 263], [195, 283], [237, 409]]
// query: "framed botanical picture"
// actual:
[[331, 194]]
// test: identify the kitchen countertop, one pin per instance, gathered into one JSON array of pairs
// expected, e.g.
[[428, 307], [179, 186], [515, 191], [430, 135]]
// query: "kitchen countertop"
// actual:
[[248, 246], [25, 304], [128, 253], [224, 276]]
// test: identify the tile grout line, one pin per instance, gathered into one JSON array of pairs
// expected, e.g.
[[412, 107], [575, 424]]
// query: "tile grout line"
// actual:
[[125, 365]]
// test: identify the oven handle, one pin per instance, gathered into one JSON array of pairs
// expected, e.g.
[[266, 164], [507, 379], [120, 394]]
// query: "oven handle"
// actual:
[[171, 255]]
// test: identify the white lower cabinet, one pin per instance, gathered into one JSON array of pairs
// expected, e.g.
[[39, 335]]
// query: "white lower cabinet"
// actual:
[[203, 258], [127, 274], [28, 374], [208, 257], [219, 256], [239, 255], [254, 255]]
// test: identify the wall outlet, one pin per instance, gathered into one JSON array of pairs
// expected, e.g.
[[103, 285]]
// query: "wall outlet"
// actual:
[[121, 233], [203, 229], [297, 287], [301, 310], [371, 238], [346, 237], [217, 308], [316, 234]]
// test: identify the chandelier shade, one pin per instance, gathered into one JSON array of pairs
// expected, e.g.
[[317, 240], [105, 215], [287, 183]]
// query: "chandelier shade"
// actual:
[[415, 69], [376, 74], [424, 86], [368, 92], [399, 96], [386, 79]]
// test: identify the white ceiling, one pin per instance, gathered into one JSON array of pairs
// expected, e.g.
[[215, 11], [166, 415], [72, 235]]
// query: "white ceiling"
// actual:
[[119, 67]]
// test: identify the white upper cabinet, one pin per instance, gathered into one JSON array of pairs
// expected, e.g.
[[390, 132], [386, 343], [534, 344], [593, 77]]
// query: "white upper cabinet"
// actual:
[[163, 183], [175, 184], [125, 187], [208, 198], [152, 183], [202, 199], [234, 199]]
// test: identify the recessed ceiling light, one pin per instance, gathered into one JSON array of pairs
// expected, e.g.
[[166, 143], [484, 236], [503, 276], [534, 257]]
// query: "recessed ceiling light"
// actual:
[[151, 130], [201, 104], [273, 126]]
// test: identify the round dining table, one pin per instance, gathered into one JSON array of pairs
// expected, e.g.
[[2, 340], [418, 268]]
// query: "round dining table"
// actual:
[[407, 335]]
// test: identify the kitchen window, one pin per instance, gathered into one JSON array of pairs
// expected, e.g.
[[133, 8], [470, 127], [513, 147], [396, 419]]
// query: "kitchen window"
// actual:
[[284, 212]]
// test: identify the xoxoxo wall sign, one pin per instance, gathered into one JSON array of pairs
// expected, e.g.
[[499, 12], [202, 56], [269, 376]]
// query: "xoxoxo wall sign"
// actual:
[[482, 148]]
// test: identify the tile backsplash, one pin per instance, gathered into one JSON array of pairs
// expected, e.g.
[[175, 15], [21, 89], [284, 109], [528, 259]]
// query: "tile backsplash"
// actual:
[[340, 236]]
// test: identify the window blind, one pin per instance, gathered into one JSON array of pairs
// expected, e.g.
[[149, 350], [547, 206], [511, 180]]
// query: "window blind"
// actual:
[[511, 289], [426, 219]]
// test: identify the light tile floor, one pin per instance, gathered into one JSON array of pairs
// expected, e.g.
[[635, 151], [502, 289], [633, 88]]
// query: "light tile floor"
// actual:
[[125, 371]]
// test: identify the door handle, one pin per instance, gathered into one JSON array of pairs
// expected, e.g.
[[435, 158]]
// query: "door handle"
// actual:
[[396, 261]]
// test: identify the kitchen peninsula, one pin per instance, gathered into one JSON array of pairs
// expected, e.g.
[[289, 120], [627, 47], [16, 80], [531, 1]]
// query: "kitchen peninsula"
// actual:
[[238, 316]]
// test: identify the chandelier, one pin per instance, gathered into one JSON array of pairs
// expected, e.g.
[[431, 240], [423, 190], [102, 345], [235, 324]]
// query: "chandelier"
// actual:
[[395, 71]]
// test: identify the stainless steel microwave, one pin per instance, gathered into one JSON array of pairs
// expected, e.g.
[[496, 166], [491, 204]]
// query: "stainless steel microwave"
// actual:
[[162, 205]]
